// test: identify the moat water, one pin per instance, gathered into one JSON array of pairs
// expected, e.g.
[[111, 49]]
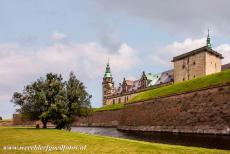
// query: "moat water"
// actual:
[[205, 141]]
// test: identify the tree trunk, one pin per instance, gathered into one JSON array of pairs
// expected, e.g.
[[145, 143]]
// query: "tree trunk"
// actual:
[[44, 122]]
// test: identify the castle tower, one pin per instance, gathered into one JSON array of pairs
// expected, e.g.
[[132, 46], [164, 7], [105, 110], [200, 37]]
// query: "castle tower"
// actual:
[[196, 63], [107, 84]]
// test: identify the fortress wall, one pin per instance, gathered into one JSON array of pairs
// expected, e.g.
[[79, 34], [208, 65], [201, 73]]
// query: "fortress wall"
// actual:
[[206, 111], [100, 119]]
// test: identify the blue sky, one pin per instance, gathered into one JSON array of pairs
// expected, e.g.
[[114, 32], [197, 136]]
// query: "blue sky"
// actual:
[[41, 36]]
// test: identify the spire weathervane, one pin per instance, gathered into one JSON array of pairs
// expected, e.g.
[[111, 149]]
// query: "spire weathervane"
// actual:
[[208, 42], [108, 61]]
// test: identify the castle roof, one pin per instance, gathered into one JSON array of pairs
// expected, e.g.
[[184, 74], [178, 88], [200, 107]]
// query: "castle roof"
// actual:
[[107, 71], [152, 78], [199, 50], [129, 82]]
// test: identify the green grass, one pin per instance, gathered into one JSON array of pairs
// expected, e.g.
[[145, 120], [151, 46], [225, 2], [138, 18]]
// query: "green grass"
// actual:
[[94, 144], [6, 120], [195, 84], [109, 107]]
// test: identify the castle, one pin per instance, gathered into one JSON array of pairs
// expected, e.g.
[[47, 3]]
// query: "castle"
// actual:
[[196, 63]]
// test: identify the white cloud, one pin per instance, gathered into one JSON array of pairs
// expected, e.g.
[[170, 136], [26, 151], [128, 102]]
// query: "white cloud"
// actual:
[[163, 56], [20, 65], [57, 36], [224, 49]]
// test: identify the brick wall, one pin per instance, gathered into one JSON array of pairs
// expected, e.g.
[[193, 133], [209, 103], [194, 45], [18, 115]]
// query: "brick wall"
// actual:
[[103, 118], [206, 111]]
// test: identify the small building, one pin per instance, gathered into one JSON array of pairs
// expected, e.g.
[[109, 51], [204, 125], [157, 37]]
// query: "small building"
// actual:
[[200, 62]]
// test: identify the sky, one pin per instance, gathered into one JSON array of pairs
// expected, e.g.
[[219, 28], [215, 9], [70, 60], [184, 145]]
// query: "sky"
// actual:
[[59, 36]]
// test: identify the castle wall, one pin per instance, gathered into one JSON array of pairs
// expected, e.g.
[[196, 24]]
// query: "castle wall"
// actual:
[[213, 64], [103, 119], [204, 111], [123, 98]]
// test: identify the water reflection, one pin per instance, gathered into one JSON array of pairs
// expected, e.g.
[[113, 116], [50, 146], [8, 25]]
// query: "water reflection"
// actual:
[[206, 141]]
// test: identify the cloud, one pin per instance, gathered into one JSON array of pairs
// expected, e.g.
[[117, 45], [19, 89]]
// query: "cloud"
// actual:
[[177, 16], [164, 55], [224, 49], [109, 36], [20, 65], [57, 36]]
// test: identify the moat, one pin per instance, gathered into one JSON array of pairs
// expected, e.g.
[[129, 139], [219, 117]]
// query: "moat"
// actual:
[[205, 141]]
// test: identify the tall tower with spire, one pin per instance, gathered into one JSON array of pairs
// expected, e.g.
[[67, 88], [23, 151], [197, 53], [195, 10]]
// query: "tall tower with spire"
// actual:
[[208, 42], [107, 84]]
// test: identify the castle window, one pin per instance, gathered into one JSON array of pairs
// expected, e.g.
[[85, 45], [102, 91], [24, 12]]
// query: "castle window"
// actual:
[[194, 63], [183, 66], [119, 100], [113, 101], [183, 79], [194, 76]]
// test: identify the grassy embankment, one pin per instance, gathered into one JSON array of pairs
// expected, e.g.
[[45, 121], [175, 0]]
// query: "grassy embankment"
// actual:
[[109, 107], [94, 144], [6, 120], [195, 84]]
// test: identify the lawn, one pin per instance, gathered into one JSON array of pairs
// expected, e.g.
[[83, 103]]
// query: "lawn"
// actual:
[[195, 84], [94, 144]]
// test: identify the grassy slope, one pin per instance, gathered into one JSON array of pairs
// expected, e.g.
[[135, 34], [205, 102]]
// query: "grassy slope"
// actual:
[[6, 120], [109, 107], [195, 84], [95, 144]]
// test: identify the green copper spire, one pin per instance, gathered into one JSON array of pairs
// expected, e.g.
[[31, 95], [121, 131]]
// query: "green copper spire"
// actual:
[[208, 43], [107, 71]]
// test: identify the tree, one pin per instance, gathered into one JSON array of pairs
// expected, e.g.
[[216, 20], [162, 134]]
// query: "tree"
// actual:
[[77, 103], [53, 100], [0, 118], [37, 98]]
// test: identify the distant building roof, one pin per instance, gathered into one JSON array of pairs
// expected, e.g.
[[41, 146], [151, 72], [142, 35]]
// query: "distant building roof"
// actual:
[[225, 66], [129, 82], [152, 78], [166, 77], [199, 50]]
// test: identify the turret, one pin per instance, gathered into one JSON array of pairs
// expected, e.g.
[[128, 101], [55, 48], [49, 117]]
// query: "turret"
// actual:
[[107, 84]]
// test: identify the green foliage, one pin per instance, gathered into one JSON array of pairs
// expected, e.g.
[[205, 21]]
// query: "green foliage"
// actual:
[[52, 99], [94, 144], [77, 103], [109, 107], [195, 84]]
